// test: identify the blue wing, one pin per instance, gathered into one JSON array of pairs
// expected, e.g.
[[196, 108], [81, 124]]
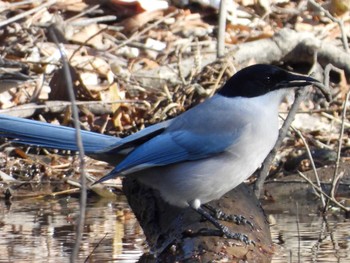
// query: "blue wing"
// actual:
[[174, 147], [201, 132]]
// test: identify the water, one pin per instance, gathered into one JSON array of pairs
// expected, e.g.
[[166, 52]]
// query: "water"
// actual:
[[43, 230], [311, 238], [36, 230]]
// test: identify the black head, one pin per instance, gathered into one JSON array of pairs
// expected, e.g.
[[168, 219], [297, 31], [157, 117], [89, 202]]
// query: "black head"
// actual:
[[257, 80]]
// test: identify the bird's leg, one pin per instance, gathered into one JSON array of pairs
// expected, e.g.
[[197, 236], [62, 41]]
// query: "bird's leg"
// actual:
[[220, 215], [222, 228]]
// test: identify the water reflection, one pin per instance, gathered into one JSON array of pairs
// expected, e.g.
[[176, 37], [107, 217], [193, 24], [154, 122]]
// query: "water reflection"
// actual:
[[36, 230], [311, 238]]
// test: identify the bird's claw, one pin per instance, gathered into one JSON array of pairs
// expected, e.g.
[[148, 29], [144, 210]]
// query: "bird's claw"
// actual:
[[237, 219], [223, 230], [237, 236]]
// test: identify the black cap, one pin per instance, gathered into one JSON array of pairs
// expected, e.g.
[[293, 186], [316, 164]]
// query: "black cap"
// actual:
[[257, 80]]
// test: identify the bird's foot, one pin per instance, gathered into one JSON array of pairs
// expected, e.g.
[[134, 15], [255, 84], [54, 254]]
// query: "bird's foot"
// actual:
[[220, 215], [223, 230], [237, 236]]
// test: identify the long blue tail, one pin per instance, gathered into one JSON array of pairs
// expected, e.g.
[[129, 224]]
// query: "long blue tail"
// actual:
[[52, 136]]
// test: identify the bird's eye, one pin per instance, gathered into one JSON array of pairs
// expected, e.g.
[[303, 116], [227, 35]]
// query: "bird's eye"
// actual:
[[267, 80]]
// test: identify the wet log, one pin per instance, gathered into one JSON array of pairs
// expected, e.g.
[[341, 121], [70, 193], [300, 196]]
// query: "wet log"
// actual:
[[178, 235]]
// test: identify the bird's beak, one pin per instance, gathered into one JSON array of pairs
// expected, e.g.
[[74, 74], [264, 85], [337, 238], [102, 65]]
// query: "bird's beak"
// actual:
[[294, 80]]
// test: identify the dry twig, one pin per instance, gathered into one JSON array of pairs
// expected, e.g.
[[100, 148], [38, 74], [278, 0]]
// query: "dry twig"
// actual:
[[311, 160], [83, 193]]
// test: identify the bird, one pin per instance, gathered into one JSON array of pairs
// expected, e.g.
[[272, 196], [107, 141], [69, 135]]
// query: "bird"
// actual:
[[197, 156]]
